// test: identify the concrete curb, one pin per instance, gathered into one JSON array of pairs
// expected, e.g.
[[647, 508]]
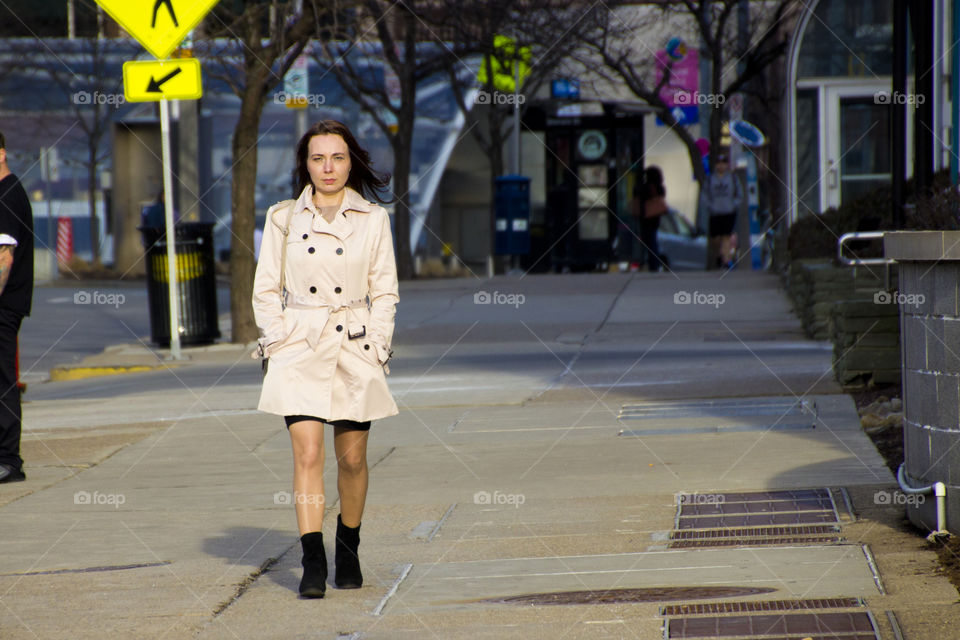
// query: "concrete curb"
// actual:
[[121, 359], [60, 374]]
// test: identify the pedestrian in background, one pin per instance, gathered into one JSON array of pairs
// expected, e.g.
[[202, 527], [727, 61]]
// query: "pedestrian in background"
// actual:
[[16, 295], [654, 198], [721, 198], [324, 298]]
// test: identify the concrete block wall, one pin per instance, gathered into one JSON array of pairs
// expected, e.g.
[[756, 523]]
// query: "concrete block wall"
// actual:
[[929, 263]]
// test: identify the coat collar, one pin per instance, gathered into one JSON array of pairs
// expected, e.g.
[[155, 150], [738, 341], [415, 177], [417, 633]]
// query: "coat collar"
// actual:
[[341, 226]]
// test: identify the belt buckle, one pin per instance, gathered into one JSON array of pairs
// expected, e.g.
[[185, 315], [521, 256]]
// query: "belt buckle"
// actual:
[[360, 334]]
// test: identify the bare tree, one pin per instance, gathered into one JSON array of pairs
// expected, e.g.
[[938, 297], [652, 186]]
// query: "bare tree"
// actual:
[[505, 34], [613, 37], [250, 45], [86, 73], [406, 37]]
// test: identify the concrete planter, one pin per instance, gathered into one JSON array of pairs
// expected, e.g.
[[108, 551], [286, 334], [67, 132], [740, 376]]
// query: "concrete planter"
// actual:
[[929, 263], [852, 308]]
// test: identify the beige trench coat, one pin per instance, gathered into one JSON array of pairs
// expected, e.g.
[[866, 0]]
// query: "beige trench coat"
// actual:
[[332, 271]]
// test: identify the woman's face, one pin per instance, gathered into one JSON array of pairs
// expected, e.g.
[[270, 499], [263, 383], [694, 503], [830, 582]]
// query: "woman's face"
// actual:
[[328, 161]]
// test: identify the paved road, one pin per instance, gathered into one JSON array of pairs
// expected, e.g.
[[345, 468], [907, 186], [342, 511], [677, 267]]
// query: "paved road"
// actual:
[[69, 323]]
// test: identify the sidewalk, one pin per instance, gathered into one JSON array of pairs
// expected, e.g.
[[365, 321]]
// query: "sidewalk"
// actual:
[[540, 448]]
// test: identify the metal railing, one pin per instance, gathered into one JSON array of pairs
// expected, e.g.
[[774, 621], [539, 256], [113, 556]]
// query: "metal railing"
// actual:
[[857, 262]]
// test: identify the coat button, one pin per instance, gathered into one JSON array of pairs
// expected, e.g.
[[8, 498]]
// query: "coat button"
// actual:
[[305, 236], [339, 251], [339, 327], [313, 289], [366, 347], [337, 290], [311, 250]]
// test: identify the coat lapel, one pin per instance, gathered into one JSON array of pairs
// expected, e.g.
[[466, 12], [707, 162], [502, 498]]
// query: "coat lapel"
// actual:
[[342, 227]]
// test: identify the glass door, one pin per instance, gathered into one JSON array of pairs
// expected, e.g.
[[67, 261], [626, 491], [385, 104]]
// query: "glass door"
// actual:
[[857, 142]]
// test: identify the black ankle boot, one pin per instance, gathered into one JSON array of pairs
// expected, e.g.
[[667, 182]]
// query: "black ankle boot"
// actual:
[[348, 574], [314, 582]]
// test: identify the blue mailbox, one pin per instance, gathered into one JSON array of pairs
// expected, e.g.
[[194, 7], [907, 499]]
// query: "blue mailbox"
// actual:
[[512, 210]]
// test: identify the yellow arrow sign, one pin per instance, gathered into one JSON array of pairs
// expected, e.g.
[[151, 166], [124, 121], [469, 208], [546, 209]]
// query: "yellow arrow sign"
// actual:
[[151, 81], [159, 25]]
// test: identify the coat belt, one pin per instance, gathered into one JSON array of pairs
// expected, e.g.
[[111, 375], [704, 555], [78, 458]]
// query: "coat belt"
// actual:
[[290, 302]]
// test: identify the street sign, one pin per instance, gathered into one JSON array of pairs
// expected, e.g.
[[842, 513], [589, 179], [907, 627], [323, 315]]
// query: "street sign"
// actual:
[[159, 25], [565, 88], [296, 84], [748, 134], [503, 62], [152, 81]]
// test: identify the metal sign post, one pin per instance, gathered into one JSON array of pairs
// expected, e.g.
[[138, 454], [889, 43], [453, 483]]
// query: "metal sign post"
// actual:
[[172, 289], [160, 29]]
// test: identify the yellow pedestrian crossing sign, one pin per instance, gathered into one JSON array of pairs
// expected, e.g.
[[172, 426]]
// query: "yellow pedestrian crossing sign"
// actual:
[[159, 25], [154, 80]]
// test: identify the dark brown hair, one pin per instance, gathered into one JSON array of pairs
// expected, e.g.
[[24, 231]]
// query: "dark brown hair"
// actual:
[[3, 143], [362, 179]]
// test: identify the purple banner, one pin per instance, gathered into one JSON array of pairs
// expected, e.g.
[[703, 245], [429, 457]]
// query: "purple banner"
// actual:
[[684, 81]]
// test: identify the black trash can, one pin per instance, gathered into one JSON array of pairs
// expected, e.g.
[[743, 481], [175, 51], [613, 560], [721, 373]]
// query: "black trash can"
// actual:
[[196, 283]]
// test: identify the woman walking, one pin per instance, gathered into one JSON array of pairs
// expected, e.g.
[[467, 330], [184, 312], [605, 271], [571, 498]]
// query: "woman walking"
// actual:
[[654, 206], [722, 198], [324, 299]]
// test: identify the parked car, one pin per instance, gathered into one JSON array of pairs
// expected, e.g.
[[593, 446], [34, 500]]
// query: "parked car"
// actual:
[[681, 245]]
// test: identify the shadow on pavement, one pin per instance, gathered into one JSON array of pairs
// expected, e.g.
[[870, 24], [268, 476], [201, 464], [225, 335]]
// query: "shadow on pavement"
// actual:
[[244, 545]]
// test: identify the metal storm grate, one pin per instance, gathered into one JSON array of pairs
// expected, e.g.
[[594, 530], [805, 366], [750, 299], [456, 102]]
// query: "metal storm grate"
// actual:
[[760, 532], [753, 542], [753, 606], [762, 518], [840, 625], [753, 509]]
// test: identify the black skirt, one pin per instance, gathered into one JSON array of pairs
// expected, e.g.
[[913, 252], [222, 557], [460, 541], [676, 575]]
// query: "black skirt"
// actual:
[[722, 224], [352, 425]]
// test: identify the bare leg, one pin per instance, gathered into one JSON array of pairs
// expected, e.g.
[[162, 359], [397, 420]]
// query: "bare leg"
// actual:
[[352, 474], [716, 252], [725, 245], [308, 496]]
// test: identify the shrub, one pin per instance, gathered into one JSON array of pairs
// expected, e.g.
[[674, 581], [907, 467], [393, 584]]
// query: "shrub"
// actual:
[[816, 236]]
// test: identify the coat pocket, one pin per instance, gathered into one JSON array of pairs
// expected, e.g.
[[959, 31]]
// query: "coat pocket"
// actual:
[[367, 349]]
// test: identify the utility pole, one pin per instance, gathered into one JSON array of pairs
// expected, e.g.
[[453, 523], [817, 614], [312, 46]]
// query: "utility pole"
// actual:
[[736, 149], [898, 115], [71, 20]]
